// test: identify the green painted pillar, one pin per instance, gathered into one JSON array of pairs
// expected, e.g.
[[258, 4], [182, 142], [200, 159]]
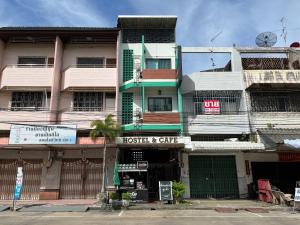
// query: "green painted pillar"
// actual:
[[180, 109], [142, 68]]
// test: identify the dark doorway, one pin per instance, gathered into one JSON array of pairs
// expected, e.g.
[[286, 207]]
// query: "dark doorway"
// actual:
[[281, 174]]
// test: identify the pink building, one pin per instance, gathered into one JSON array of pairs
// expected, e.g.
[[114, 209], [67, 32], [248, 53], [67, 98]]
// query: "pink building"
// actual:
[[56, 76]]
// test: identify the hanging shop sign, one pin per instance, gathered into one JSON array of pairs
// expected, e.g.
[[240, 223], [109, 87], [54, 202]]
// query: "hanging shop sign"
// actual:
[[165, 191], [212, 106], [42, 134], [150, 140]]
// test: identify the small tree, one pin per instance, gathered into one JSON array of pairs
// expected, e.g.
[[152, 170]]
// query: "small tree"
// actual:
[[109, 129], [178, 190]]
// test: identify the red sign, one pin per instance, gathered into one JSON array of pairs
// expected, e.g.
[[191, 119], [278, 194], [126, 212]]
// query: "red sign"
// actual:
[[211, 106]]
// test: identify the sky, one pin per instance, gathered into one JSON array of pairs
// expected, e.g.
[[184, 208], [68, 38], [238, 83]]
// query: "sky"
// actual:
[[236, 21]]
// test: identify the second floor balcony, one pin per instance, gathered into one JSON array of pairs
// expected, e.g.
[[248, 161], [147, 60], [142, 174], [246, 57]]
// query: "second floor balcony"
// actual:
[[15, 77], [81, 77]]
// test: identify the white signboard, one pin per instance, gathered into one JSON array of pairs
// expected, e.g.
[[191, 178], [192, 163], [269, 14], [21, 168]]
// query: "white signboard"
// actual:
[[42, 134], [150, 140], [297, 195]]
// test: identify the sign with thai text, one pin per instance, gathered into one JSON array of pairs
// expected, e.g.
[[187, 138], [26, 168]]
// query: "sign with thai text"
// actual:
[[165, 191], [19, 183], [42, 134], [150, 140], [212, 106]]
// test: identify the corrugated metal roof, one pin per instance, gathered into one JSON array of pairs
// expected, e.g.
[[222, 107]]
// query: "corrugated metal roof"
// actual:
[[278, 135]]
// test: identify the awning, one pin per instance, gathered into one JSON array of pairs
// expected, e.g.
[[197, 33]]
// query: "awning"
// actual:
[[226, 146], [278, 137]]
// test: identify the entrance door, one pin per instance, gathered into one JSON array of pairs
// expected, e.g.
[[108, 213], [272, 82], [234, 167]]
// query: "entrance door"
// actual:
[[32, 171], [80, 179], [213, 177]]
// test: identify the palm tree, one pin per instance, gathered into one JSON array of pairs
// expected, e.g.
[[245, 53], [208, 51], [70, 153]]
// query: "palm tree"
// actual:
[[109, 129]]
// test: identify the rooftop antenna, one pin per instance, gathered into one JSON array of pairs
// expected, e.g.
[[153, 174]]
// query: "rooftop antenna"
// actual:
[[283, 29], [212, 50], [266, 39]]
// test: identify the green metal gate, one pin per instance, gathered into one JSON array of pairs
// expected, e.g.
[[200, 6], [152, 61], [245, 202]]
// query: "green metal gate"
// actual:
[[213, 177]]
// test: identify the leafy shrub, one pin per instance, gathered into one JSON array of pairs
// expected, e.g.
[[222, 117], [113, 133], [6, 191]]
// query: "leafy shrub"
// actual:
[[125, 196], [114, 196], [178, 191]]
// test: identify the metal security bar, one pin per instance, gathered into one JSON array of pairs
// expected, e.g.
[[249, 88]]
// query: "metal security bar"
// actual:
[[229, 101], [88, 101], [80, 179], [275, 101]]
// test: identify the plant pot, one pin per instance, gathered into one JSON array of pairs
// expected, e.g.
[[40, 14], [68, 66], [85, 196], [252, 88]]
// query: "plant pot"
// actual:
[[116, 204], [125, 203]]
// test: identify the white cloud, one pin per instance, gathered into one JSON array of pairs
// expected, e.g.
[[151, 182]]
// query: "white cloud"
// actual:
[[59, 13]]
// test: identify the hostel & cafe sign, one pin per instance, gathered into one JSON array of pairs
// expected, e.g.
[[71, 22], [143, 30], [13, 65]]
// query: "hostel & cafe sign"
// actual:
[[150, 140]]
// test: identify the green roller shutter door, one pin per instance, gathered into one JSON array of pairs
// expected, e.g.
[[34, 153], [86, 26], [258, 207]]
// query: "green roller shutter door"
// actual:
[[213, 177]]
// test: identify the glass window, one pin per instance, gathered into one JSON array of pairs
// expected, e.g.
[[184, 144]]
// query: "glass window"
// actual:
[[158, 63], [88, 101], [159, 104], [27, 101], [31, 61], [88, 62]]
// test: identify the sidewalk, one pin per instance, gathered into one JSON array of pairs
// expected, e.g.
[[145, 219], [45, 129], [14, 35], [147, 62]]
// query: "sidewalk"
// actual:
[[211, 204], [191, 204]]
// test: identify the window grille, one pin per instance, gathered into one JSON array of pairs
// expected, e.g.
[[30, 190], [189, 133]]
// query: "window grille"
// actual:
[[159, 104], [88, 101], [90, 62], [275, 101], [27, 101], [229, 101]]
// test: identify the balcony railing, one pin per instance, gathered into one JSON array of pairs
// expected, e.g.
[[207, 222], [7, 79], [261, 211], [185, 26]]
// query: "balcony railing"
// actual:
[[89, 76], [271, 77], [26, 75]]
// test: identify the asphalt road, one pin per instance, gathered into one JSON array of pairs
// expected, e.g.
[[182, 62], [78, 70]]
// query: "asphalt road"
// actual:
[[141, 217]]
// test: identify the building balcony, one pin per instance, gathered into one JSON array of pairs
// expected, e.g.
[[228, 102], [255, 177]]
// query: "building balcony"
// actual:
[[78, 78], [83, 118], [155, 122], [159, 74], [161, 118], [16, 77], [7, 117], [286, 78]]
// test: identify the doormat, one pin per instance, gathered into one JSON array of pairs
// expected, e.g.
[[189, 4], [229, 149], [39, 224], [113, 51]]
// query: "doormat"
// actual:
[[226, 210], [257, 210]]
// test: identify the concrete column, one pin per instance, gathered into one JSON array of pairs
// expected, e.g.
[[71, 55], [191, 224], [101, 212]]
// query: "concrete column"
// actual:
[[50, 181], [241, 175], [55, 89], [185, 174], [110, 160], [236, 61], [118, 59]]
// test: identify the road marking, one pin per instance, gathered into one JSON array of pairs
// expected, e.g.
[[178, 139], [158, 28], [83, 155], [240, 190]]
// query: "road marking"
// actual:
[[120, 214], [255, 214]]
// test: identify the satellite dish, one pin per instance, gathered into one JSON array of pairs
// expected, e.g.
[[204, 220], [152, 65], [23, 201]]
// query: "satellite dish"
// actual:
[[266, 39]]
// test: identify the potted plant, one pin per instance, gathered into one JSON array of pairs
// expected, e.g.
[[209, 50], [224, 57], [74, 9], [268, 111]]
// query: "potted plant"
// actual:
[[178, 191], [125, 199], [114, 199]]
